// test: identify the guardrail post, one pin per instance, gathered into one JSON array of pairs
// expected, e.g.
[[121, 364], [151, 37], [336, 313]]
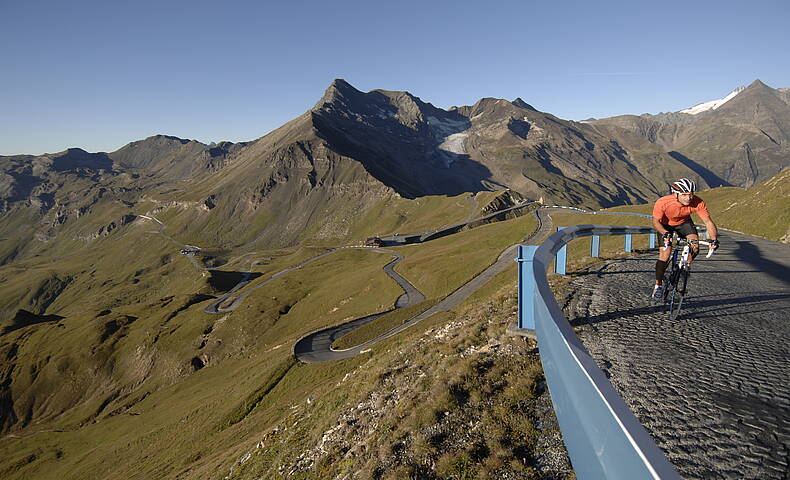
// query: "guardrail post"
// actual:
[[561, 259], [595, 246], [627, 242], [652, 240], [526, 287]]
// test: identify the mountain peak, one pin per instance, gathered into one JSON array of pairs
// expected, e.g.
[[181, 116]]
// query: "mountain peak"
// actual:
[[74, 151], [342, 85], [759, 86], [339, 89], [757, 83], [182, 141], [521, 103]]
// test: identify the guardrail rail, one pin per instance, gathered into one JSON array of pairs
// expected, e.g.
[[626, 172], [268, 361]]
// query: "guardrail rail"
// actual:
[[603, 437]]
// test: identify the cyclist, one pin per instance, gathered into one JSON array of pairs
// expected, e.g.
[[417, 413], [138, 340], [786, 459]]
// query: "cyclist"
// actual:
[[672, 213]]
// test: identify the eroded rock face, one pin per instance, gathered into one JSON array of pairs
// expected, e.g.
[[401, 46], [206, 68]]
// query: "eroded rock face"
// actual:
[[490, 145]]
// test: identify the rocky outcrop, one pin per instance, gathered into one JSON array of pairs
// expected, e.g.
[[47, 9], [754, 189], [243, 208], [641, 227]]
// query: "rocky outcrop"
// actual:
[[504, 200], [106, 229]]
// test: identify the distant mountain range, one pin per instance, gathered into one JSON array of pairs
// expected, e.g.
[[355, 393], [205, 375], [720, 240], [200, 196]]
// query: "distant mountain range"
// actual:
[[740, 140], [353, 149]]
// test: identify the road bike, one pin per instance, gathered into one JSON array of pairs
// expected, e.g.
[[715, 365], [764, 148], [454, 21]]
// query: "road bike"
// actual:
[[676, 279]]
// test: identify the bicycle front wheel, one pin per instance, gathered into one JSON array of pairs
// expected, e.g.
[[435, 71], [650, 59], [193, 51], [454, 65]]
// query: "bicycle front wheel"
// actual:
[[678, 294], [670, 281], [674, 305]]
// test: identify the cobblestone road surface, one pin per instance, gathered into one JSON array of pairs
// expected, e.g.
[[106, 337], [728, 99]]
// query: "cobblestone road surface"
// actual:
[[713, 386]]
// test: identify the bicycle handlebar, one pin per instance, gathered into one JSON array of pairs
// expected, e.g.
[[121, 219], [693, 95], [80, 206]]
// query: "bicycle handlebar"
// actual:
[[710, 247], [701, 242], [682, 241]]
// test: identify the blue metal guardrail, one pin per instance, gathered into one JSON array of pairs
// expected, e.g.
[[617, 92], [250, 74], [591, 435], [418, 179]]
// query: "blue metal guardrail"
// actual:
[[595, 245], [603, 437], [595, 250]]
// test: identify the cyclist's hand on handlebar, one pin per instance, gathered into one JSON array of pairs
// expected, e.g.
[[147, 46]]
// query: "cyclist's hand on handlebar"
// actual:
[[714, 244], [666, 239]]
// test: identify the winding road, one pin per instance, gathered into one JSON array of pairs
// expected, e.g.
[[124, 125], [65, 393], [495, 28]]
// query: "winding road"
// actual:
[[410, 296], [317, 346]]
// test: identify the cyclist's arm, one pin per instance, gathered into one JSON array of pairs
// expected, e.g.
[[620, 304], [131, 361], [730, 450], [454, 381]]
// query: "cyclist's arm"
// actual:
[[657, 225], [713, 232], [702, 211]]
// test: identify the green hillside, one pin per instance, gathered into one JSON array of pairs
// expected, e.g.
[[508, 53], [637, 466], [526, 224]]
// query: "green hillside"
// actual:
[[122, 375], [762, 210]]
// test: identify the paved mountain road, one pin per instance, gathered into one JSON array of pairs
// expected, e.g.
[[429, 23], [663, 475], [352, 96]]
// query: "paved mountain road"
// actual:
[[713, 386], [316, 347], [409, 297]]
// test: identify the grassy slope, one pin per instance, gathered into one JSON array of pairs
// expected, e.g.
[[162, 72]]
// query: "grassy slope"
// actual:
[[218, 411], [440, 266], [120, 387], [389, 417], [186, 412], [762, 210]]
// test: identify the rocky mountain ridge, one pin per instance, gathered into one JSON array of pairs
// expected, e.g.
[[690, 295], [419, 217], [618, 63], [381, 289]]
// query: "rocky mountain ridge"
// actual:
[[354, 149]]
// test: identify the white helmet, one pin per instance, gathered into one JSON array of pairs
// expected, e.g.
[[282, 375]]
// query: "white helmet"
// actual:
[[684, 185]]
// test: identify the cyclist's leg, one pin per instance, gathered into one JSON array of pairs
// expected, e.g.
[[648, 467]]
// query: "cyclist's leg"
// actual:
[[688, 231], [661, 268], [663, 258], [694, 247]]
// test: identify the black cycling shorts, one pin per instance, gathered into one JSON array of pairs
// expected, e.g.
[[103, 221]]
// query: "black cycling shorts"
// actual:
[[684, 229]]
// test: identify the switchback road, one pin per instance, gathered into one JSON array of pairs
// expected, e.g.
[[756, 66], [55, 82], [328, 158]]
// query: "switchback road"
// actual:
[[316, 347]]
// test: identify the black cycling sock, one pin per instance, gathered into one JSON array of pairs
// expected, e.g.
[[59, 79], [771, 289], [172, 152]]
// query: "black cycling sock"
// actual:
[[661, 267]]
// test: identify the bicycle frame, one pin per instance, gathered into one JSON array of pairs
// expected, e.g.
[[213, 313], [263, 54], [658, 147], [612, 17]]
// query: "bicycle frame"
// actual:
[[676, 280]]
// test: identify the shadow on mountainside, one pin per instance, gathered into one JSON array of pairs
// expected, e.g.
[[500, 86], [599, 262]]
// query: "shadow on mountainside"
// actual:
[[24, 318], [415, 159], [413, 179], [74, 159], [709, 177], [224, 280]]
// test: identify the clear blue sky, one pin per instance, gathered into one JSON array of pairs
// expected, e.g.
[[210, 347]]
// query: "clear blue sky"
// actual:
[[100, 74]]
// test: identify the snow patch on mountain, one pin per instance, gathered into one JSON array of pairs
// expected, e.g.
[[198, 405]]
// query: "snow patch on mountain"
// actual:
[[455, 143], [451, 133], [713, 104]]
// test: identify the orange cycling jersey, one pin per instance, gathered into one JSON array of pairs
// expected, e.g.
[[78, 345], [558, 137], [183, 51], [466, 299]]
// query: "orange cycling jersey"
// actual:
[[669, 211]]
